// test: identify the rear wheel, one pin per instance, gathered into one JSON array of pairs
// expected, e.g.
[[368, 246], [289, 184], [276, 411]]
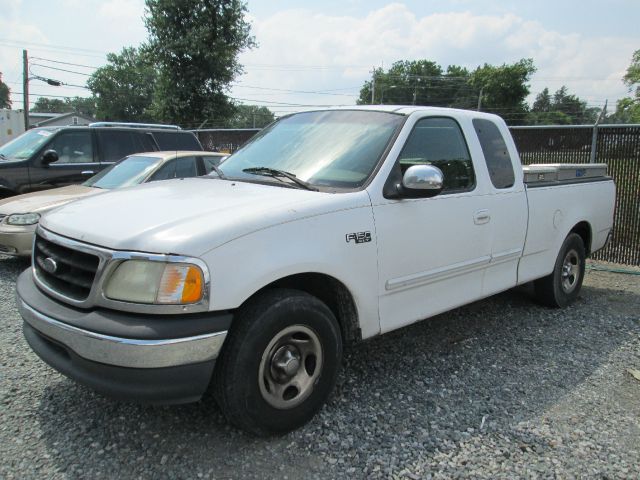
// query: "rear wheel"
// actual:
[[279, 363], [562, 286]]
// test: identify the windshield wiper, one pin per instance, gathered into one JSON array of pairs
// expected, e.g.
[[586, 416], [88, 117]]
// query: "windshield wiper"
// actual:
[[3, 156], [272, 172], [219, 172]]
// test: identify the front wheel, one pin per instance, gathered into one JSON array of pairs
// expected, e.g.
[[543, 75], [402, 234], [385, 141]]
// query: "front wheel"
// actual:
[[279, 363], [562, 286]]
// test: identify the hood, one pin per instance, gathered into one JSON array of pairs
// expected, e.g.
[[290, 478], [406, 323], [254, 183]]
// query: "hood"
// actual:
[[189, 216], [39, 202]]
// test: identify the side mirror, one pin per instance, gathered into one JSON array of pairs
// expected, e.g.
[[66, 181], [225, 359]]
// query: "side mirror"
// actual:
[[421, 181], [49, 157]]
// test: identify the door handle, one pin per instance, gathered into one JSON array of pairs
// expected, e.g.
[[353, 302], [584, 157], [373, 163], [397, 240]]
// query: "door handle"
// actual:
[[481, 217], [87, 172]]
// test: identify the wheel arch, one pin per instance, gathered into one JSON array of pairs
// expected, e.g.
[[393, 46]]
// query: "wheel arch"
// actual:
[[583, 230], [329, 290]]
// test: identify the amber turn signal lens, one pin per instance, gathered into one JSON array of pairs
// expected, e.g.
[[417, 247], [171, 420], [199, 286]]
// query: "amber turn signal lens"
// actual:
[[180, 283], [193, 286]]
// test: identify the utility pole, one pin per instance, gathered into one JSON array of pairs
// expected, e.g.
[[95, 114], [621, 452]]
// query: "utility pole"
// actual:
[[373, 85], [480, 98], [594, 135], [25, 88]]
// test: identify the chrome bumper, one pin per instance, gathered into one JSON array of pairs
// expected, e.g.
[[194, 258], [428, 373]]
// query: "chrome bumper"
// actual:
[[125, 352]]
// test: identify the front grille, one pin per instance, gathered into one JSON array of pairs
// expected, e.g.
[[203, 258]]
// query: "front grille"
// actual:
[[74, 272], [2, 217]]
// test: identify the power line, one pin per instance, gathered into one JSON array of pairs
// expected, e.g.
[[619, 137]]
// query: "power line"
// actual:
[[318, 92], [286, 103], [21, 44], [64, 63], [50, 96], [60, 69]]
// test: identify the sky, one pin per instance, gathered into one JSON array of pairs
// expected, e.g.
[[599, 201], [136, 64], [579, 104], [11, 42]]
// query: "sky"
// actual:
[[321, 53]]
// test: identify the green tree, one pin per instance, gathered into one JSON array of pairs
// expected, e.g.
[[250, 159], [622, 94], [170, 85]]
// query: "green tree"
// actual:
[[49, 105], [5, 94], [542, 104], [124, 88], [561, 109], [250, 116], [628, 108], [419, 82], [195, 44], [504, 89], [84, 105]]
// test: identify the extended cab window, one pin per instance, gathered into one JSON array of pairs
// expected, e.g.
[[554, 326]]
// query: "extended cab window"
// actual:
[[495, 153], [439, 142], [73, 147]]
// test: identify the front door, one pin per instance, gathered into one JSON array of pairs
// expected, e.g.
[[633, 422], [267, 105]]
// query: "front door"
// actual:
[[432, 252], [75, 161]]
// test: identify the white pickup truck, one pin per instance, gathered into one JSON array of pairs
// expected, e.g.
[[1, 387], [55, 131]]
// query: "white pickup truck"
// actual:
[[328, 228]]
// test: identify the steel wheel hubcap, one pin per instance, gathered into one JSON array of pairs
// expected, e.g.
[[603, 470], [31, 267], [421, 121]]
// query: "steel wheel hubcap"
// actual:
[[290, 367], [570, 271]]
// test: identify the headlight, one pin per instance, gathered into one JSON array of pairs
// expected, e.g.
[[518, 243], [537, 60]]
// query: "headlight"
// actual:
[[23, 219], [142, 281]]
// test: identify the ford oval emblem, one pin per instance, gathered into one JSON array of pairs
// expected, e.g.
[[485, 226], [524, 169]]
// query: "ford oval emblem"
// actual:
[[49, 265]]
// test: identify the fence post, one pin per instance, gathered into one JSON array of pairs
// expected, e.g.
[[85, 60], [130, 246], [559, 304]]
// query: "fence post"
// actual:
[[594, 143], [594, 137]]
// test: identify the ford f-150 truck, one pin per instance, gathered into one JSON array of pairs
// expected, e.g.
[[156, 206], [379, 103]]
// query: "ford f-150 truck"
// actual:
[[328, 228]]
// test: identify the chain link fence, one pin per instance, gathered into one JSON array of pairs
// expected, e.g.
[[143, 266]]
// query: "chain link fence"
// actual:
[[616, 145]]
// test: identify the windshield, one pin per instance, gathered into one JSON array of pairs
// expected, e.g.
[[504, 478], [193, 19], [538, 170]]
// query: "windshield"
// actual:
[[130, 171], [335, 149], [25, 145]]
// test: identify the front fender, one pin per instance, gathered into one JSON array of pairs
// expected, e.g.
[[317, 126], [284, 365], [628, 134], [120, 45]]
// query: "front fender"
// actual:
[[317, 244]]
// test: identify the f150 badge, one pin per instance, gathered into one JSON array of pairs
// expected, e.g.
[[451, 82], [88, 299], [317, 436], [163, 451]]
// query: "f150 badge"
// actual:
[[358, 237]]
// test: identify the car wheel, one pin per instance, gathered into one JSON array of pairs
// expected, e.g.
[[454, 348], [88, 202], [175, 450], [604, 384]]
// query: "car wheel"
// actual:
[[561, 288], [279, 363]]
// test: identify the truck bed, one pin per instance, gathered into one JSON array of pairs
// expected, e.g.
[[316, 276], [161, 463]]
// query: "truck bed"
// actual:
[[559, 197]]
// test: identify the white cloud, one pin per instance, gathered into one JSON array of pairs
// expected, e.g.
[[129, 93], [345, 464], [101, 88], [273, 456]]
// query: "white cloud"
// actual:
[[348, 46]]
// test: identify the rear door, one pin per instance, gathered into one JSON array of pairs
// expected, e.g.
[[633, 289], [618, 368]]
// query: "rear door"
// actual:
[[507, 205], [76, 160]]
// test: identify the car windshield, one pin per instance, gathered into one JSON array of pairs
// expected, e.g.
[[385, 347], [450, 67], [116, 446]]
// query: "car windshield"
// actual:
[[334, 149], [130, 171], [25, 145]]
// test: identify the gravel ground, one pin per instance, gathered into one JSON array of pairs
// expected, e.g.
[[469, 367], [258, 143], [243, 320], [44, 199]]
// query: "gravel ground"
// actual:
[[501, 388]]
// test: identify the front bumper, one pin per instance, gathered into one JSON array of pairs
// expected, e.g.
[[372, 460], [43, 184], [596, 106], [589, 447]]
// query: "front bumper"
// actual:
[[149, 358], [17, 240]]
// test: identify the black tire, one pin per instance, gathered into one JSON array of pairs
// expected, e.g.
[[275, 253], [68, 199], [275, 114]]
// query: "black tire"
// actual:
[[562, 286], [252, 369]]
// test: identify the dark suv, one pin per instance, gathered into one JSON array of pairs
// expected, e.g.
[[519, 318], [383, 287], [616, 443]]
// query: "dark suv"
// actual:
[[44, 158]]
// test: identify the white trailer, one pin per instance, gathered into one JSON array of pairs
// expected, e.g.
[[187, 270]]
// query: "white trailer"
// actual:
[[11, 125]]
